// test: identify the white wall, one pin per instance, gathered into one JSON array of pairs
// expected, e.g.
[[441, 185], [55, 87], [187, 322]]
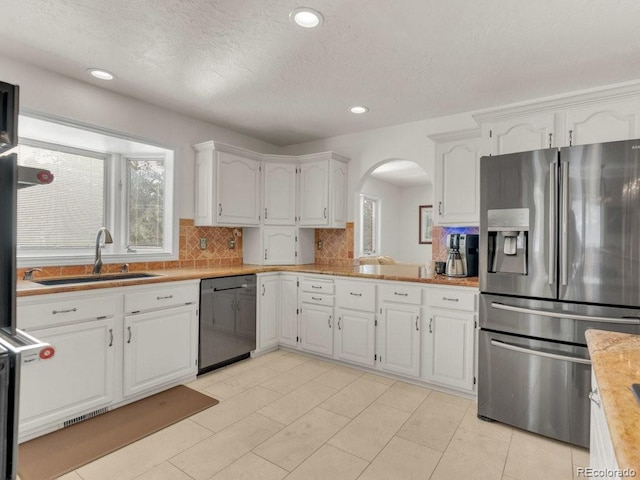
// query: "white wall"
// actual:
[[47, 92], [409, 250], [389, 196]]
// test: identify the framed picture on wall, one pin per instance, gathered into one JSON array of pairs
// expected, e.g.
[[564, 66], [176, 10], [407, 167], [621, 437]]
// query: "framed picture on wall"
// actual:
[[425, 223]]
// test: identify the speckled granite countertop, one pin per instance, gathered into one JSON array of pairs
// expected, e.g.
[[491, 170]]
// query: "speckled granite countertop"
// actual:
[[405, 273], [615, 358]]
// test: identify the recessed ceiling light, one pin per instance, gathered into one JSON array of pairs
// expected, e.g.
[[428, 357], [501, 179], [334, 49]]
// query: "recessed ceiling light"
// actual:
[[359, 109], [101, 74], [306, 17]]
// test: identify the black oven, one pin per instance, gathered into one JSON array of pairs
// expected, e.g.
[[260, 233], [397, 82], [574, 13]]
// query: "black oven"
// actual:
[[8, 116]]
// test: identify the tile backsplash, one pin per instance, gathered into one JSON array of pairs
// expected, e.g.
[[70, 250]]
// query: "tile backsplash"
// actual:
[[439, 244], [216, 254], [337, 245]]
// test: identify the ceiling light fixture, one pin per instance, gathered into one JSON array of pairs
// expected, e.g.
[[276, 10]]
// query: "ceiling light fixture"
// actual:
[[359, 109], [101, 74], [306, 17]]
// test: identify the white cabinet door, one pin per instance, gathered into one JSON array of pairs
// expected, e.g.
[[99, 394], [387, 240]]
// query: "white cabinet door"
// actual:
[[355, 337], [159, 347], [237, 190], [205, 212], [338, 207], [267, 321], [314, 193], [400, 339], [279, 194], [457, 185], [279, 245], [522, 134], [448, 349], [316, 328], [288, 311], [78, 379], [602, 123]]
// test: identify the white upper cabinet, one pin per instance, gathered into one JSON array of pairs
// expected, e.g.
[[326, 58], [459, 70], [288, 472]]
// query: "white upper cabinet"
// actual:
[[323, 191], [280, 245], [314, 193], [279, 194], [602, 123], [227, 186], [521, 134], [457, 178]]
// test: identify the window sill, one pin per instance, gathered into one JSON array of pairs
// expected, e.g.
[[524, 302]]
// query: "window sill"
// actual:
[[64, 260]]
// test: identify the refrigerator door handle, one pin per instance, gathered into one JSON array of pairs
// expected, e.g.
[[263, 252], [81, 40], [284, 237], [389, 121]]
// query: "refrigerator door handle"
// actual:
[[554, 356], [573, 316], [552, 222], [564, 273]]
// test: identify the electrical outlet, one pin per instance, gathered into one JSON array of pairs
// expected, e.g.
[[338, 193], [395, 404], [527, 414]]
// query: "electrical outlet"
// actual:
[[203, 243], [320, 245], [231, 243]]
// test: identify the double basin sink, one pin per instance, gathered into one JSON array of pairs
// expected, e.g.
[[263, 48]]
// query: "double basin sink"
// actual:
[[93, 278]]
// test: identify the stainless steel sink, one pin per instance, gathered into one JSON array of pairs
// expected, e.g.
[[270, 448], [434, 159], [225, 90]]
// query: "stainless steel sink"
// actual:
[[94, 278]]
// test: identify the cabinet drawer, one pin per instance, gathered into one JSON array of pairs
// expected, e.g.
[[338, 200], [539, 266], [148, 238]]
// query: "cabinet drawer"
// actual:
[[459, 300], [51, 313], [317, 299], [400, 293], [161, 297], [317, 286], [356, 295]]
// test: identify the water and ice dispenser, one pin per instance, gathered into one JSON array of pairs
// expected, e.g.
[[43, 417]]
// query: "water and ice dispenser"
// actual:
[[508, 234]]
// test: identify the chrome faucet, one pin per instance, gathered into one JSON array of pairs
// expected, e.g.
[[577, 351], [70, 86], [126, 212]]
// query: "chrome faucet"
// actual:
[[97, 264]]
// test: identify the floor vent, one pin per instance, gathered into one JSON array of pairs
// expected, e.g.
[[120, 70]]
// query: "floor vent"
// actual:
[[84, 417]]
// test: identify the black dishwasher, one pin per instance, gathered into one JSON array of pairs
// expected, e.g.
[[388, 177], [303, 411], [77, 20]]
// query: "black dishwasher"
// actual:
[[227, 321]]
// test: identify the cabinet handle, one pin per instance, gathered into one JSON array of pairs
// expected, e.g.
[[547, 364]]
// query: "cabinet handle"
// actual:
[[316, 298], [316, 286], [570, 138], [339, 327], [550, 140], [355, 294], [593, 396], [219, 209], [450, 299], [430, 323], [417, 319], [168, 297], [439, 208], [55, 312], [325, 212], [129, 339], [401, 294], [265, 213], [265, 253], [263, 289], [329, 321], [111, 335]]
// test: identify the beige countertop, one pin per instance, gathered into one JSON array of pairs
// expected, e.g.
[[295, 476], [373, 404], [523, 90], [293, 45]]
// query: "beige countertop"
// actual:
[[615, 358], [405, 273]]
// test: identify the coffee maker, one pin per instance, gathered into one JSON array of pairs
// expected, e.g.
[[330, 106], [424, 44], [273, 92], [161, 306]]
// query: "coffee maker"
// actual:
[[462, 259]]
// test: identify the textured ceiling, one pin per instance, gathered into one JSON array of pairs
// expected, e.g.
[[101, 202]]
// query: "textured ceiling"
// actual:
[[241, 64]]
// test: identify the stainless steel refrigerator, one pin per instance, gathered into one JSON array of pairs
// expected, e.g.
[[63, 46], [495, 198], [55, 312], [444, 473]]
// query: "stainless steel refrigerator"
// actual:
[[560, 253], [16, 347]]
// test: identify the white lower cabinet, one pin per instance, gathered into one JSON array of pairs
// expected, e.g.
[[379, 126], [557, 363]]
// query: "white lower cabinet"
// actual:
[[316, 328], [355, 337], [288, 311], [267, 311], [159, 347], [400, 339], [448, 349], [601, 453], [78, 378], [102, 358]]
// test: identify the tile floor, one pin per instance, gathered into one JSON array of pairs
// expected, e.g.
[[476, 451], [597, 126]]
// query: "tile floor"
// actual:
[[285, 415]]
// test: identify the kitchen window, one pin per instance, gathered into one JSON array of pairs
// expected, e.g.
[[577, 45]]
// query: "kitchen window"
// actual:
[[99, 180], [369, 225]]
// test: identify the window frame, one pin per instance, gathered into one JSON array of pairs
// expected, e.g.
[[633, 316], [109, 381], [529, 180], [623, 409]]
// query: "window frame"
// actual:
[[115, 199], [376, 227]]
